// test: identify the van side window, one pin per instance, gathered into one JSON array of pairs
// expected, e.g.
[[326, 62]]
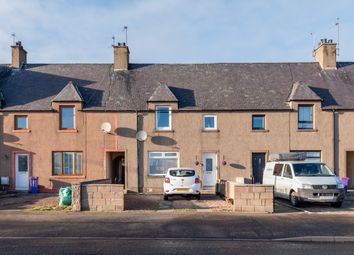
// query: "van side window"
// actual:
[[277, 169], [287, 172]]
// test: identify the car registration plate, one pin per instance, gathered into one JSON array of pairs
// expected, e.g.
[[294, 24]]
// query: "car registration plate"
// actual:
[[182, 190], [326, 196]]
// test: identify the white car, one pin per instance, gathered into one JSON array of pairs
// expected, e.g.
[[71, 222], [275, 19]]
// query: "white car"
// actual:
[[181, 181]]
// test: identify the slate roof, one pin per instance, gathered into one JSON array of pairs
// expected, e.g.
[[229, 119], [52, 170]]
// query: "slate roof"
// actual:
[[163, 94], [69, 93], [301, 91], [260, 86]]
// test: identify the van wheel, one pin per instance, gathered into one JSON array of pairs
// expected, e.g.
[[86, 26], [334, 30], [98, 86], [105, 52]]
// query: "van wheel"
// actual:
[[336, 204], [294, 200], [165, 197]]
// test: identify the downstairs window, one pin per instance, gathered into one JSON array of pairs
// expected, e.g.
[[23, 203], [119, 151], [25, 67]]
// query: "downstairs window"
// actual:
[[67, 163]]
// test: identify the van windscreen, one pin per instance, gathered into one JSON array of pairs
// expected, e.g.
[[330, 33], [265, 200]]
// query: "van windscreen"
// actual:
[[312, 169], [182, 173]]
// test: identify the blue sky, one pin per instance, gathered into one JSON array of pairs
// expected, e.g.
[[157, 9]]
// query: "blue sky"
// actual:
[[175, 31]]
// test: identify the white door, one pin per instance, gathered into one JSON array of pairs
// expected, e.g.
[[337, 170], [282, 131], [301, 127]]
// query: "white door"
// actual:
[[22, 173], [209, 169]]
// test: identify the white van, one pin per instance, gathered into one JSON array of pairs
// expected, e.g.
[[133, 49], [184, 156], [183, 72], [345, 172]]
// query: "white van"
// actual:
[[300, 180]]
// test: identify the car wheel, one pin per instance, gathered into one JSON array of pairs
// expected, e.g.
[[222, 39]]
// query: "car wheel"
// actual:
[[165, 197], [294, 200], [336, 204]]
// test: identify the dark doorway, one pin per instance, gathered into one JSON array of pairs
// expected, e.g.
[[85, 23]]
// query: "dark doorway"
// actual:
[[350, 168], [258, 163], [116, 167]]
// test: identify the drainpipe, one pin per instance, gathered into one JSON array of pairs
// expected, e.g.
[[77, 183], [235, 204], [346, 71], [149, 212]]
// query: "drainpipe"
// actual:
[[139, 153], [335, 159]]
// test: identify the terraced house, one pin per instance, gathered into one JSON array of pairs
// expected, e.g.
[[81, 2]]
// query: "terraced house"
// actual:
[[221, 119]]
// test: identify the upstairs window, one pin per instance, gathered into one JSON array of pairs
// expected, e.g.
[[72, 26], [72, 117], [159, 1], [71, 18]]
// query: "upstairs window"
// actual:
[[67, 163], [21, 122], [258, 122], [67, 117], [163, 118], [305, 117], [209, 122]]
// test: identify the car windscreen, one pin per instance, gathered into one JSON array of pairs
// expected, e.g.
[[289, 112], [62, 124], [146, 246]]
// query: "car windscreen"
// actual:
[[312, 169], [182, 173]]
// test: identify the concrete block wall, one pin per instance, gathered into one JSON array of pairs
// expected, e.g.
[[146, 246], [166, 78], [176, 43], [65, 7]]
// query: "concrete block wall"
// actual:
[[98, 197], [255, 198]]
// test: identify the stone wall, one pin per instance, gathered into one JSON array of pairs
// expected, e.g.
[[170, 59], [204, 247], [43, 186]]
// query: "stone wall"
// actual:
[[98, 197], [256, 198]]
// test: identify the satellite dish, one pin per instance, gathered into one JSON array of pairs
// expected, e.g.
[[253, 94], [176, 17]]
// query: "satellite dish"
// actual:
[[106, 127], [141, 136]]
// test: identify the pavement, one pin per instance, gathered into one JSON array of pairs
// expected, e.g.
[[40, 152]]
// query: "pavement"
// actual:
[[58, 232], [151, 225]]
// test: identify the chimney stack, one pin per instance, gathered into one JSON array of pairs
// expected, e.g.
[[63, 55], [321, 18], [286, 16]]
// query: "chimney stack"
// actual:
[[121, 57], [19, 55], [326, 54]]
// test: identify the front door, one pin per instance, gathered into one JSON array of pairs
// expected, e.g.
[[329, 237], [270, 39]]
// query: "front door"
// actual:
[[22, 172], [209, 169], [258, 163], [350, 169]]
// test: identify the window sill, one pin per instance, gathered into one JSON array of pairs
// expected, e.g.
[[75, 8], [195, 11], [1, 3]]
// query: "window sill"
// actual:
[[67, 177], [307, 130], [67, 131], [21, 131], [164, 131], [260, 130], [210, 130], [156, 176]]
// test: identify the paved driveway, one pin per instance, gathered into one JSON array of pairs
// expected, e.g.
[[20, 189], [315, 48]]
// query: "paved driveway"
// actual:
[[22, 201], [156, 202], [319, 208]]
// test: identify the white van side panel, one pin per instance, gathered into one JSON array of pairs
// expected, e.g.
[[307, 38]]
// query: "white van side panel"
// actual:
[[268, 177]]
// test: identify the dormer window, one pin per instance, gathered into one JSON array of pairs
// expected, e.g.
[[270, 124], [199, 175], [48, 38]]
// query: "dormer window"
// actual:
[[305, 117], [67, 117], [163, 118]]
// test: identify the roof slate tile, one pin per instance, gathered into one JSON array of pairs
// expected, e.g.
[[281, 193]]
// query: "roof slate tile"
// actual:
[[256, 87]]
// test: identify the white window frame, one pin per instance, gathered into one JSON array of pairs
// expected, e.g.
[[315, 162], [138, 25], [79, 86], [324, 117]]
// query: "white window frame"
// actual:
[[169, 117], [215, 122], [161, 157]]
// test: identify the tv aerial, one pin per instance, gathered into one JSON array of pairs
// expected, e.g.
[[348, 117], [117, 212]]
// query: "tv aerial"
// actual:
[[106, 127]]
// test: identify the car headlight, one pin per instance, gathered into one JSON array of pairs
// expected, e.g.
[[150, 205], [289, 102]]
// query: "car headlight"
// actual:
[[306, 186]]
